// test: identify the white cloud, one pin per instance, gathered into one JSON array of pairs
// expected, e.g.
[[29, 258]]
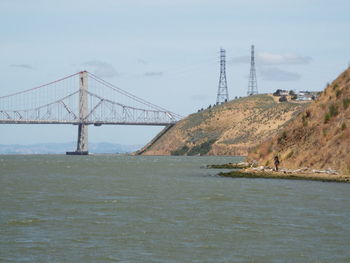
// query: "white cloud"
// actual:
[[265, 58], [102, 69], [276, 74]]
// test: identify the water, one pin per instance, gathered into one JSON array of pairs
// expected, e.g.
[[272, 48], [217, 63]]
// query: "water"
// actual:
[[164, 209]]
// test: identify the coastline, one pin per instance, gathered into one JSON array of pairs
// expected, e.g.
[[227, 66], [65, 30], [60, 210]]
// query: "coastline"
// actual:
[[250, 173]]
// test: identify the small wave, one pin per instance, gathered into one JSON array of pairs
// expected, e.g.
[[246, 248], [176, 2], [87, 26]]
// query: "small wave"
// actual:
[[80, 240], [110, 201], [21, 222], [217, 197]]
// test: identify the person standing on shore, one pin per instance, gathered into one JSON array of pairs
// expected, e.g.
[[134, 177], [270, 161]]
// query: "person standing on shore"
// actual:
[[277, 162]]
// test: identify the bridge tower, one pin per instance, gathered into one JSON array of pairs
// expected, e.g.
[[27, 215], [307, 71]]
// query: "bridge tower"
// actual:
[[82, 143], [222, 95], [252, 83]]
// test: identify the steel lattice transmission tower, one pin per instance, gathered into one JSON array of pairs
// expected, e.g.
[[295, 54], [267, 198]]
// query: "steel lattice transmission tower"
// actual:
[[222, 90], [252, 83]]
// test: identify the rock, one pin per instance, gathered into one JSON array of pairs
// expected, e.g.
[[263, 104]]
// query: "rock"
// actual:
[[328, 171], [331, 171]]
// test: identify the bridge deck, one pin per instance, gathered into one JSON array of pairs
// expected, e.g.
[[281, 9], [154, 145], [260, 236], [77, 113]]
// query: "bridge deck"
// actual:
[[86, 123]]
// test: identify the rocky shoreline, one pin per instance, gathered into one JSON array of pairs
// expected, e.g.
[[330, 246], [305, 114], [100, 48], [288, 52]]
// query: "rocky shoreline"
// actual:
[[241, 165], [247, 170]]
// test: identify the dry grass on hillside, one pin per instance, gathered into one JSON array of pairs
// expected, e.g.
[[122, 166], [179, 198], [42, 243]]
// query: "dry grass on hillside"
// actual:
[[228, 129], [317, 138]]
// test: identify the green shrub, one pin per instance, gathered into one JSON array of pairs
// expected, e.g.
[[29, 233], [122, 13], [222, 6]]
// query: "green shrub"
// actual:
[[343, 126], [325, 132], [201, 149], [180, 151], [305, 117], [327, 117], [282, 138], [333, 110], [338, 93], [346, 103], [284, 134]]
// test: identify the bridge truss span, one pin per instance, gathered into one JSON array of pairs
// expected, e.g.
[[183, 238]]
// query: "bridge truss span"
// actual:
[[81, 99]]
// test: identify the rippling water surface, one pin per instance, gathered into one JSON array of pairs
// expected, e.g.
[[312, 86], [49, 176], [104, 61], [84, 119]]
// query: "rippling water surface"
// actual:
[[164, 209]]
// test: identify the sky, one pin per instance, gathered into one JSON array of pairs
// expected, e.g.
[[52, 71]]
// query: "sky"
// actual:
[[167, 52]]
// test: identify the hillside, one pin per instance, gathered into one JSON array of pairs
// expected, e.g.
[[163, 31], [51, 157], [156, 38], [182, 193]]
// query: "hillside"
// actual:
[[231, 128], [319, 137]]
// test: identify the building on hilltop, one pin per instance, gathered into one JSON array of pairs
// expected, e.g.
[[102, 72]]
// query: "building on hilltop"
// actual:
[[307, 95], [281, 92], [300, 96]]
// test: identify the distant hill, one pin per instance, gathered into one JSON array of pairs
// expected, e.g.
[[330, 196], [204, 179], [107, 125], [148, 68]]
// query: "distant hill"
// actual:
[[231, 128], [62, 148], [319, 137]]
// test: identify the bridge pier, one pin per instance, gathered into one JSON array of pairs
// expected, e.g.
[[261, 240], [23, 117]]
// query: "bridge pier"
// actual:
[[82, 143]]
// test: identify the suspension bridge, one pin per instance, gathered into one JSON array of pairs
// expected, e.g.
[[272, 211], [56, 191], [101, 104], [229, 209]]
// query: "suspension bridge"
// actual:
[[81, 99]]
